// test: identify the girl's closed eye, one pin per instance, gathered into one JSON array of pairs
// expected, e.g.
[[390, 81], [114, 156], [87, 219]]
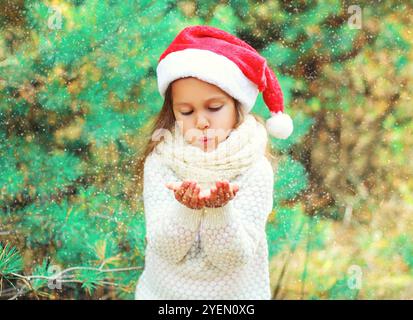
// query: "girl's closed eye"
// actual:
[[216, 108], [210, 109]]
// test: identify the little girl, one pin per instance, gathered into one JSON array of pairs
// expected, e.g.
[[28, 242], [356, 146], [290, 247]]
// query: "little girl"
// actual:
[[207, 182]]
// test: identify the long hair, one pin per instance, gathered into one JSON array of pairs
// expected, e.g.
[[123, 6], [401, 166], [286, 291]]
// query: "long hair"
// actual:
[[166, 120]]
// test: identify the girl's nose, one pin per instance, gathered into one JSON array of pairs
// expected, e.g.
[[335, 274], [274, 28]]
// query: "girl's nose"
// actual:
[[202, 123]]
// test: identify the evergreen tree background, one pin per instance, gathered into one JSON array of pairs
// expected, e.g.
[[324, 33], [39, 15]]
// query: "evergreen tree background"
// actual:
[[78, 94]]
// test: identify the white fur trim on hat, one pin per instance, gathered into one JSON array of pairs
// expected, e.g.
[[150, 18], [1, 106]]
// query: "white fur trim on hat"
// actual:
[[210, 67]]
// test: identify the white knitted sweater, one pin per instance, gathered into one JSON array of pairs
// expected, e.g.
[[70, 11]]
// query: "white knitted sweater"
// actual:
[[211, 253]]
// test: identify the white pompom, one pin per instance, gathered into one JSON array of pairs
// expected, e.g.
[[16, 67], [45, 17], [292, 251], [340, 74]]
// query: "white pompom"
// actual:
[[280, 125]]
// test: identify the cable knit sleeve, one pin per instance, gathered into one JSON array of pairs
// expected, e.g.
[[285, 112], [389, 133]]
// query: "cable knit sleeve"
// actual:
[[171, 227], [231, 234]]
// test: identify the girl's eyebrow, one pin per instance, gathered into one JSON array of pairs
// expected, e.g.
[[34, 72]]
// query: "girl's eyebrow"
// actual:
[[208, 100]]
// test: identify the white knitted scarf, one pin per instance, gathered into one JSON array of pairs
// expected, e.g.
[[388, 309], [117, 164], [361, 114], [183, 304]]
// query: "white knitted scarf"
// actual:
[[244, 145]]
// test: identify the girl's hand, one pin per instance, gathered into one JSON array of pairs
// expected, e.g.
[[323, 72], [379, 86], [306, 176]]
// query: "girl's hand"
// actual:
[[187, 193], [221, 194], [216, 197]]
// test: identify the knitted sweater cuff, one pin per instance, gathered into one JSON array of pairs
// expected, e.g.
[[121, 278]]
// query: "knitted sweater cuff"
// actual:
[[190, 218], [219, 217]]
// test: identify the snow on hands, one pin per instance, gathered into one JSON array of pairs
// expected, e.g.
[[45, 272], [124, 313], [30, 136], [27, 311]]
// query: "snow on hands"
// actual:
[[189, 194]]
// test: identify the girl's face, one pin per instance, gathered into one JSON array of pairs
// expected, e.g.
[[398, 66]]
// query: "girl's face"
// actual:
[[205, 113]]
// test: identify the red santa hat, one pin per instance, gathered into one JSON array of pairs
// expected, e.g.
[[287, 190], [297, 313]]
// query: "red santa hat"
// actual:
[[218, 57]]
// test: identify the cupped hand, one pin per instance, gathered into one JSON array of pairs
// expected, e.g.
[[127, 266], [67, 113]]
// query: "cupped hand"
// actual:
[[188, 193], [221, 194]]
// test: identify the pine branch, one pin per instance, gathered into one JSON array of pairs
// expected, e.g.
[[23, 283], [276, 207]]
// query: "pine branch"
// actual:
[[70, 278], [54, 277]]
